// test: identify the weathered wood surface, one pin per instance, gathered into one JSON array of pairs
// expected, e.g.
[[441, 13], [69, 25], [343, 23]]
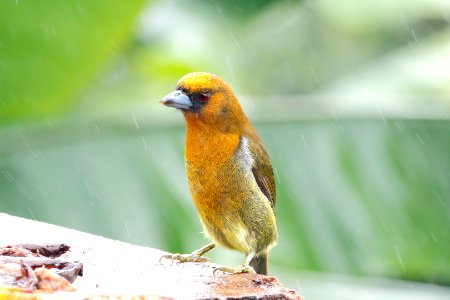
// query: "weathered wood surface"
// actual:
[[117, 270]]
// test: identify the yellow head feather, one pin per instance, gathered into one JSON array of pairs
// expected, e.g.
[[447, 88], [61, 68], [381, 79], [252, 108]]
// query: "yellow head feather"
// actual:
[[199, 81]]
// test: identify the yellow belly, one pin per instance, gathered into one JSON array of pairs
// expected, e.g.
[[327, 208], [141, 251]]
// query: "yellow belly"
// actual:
[[233, 210]]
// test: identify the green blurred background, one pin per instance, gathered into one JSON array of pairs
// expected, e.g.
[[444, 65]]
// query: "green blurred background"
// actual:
[[350, 97]]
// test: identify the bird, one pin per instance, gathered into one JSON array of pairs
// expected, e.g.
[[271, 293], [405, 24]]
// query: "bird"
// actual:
[[229, 173]]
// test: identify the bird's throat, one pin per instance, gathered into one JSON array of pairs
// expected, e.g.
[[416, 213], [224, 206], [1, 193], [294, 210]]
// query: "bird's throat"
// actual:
[[208, 145]]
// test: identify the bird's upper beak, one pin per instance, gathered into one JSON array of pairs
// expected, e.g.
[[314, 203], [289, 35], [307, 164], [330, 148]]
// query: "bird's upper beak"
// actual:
[[178, 100]]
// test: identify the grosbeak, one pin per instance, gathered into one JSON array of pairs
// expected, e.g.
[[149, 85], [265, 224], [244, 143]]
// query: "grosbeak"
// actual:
[[228, 170]]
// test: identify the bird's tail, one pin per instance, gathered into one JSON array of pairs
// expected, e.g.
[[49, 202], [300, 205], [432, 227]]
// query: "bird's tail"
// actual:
[[259, 263]]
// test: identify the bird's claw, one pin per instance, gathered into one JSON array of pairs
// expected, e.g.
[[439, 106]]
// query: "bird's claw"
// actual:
[[238, 270], [182, 258]]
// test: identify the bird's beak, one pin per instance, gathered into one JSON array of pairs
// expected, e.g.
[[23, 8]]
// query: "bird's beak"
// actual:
[[178, 100]]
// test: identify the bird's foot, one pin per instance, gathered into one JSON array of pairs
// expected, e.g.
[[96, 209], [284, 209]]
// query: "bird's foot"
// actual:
[[191, 257], [237, 270]]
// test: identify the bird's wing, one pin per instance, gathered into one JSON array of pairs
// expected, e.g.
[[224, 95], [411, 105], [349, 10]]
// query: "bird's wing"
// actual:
[[262, 169]]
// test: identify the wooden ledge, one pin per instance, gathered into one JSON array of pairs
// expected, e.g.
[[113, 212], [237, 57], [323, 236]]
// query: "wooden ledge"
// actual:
[[116, 270]]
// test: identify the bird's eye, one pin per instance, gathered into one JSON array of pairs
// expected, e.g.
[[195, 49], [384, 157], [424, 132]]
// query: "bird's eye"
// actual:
[[203, 97]]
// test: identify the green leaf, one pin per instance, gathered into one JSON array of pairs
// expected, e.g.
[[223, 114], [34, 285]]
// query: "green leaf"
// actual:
[[49, 50]]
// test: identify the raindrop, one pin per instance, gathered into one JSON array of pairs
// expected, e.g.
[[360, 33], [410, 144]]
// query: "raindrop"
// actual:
[[433, 237], [49, 122], [218, 8], [234, 39], [145, 144], [32, 152], [276, 175], [135, 120], [314, 74], [31, 213], [41, 191], [304, 140], [310, 5], [398, 126], [91, 203], [299, 288], [414, 34], [92, 192], [80, 9], [419, 138], [399, 257], [231, 68], [438, 197], [385, 226], [8, 176], [128, 231], [24, 140], [63, 76], [380, 112]]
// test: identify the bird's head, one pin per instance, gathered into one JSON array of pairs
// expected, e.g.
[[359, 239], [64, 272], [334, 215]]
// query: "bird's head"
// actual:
[[205, 98]]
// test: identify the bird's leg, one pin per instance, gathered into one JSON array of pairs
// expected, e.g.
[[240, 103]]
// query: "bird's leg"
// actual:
[[243, 268], [196, 256]]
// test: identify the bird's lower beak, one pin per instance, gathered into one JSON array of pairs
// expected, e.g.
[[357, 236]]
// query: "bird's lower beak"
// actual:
[[178, 100]]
